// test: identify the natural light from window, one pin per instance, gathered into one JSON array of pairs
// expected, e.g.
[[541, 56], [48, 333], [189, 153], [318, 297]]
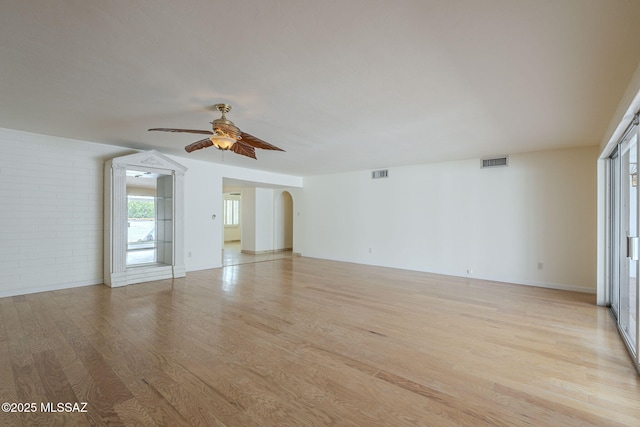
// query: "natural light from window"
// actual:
[[231, 213]]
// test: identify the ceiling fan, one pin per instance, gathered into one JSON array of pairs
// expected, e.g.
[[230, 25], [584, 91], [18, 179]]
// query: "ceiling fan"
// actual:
[[225, 136]]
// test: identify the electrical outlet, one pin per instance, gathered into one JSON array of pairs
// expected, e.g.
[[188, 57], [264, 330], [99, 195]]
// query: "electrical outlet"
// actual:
[[540, 266], [469, 271], [369, 250]]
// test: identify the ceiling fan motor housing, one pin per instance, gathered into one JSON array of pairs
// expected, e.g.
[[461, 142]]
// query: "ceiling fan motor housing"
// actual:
[[224, 127]]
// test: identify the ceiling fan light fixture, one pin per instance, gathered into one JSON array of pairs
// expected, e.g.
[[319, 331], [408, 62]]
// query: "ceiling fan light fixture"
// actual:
[[221, 140]]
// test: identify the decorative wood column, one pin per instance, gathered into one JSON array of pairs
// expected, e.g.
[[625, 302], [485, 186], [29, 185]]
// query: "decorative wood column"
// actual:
[[118, 224]]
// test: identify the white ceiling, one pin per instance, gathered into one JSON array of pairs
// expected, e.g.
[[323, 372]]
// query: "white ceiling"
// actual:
[[339, 84]]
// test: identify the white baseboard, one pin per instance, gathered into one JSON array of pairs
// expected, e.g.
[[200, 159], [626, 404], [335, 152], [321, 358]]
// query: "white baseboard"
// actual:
[[204, 267], [549, 285], [559, 286], [268, 251], [56, 287]]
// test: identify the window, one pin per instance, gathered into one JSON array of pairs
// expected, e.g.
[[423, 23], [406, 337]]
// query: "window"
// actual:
[[231, 213]]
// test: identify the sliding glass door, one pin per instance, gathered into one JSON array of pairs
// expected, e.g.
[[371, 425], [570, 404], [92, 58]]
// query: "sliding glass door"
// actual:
[[628, 237], [624, 243]]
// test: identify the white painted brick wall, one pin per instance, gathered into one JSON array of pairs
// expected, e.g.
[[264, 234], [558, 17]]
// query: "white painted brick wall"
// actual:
[[50, 212]]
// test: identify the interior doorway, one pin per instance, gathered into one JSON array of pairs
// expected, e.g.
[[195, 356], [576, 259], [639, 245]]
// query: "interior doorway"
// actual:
[[258, 223]]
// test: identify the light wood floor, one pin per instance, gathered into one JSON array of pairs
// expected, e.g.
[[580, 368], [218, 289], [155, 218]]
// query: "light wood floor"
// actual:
[[303, 342]]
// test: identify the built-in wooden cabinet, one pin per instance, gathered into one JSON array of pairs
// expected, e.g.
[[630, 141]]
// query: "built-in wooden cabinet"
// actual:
[[143, 219]]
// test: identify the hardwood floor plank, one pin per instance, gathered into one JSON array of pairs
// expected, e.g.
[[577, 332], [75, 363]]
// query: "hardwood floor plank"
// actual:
[[132, 413], [8, 391], [28, 387], [32, 332], [189, 406], [88, 378], [226, 410], [57, 390], [131, 364], [103, 376]]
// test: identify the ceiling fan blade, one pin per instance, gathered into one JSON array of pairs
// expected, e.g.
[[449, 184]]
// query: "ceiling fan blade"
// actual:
[[243, 149], [257, 142], [204, 132], [203, 143]]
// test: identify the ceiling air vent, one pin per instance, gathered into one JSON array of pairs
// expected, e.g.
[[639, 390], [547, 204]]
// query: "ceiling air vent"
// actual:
[[494, 162], [383, 173]]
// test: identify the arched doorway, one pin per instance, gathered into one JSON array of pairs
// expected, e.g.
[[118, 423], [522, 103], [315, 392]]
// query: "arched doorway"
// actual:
[[283, 227]]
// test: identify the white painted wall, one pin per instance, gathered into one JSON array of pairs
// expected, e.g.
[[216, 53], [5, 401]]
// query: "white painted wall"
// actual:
[[203, 200], [452, 217], [264, 219], [51, 210], [232, 234], [248, 214], [257, 219]]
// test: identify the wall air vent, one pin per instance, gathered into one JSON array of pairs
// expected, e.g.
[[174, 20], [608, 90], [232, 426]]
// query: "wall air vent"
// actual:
[[494, 162], [383, 173]]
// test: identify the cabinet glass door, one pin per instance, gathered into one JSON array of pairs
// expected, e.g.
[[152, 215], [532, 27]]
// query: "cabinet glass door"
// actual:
[[150, 218], [141, 229]]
